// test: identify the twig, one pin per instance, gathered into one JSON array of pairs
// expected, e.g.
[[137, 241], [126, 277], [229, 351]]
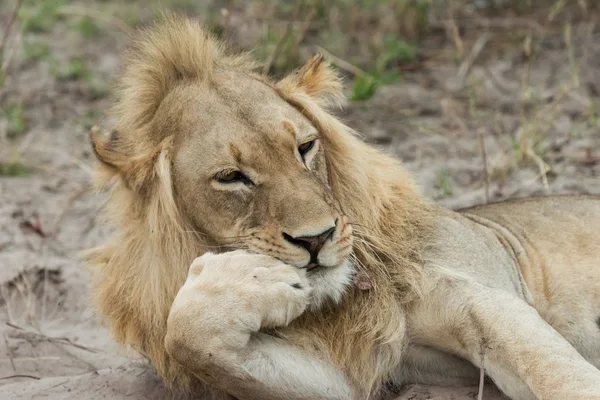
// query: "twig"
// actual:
[[454, 30], [92, 367], [11, 22], [58, 217], [44, 290], [500, 83], [555, 10], [20, 376], [278, 48], [51, 339], [82, 165], [45, 358], [492, 23], [59, 384], [7, 302], [486, 176], [526, 77], [521, 186], [481, 371], [226, 13], [26, 142], [343, 64], [6, 59], [309, 16], [281, 43], [13, 326], [542, 165], [70, 342], [33, 224], [9, 355], [26, 291], [467, 65]]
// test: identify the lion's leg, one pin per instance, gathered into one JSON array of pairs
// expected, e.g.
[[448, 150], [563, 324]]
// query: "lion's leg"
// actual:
[[213, 329], [580, 327], [429, 366], [571, 305], [524, 355]]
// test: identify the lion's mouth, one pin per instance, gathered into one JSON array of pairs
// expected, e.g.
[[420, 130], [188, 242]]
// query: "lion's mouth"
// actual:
[[312, 266]]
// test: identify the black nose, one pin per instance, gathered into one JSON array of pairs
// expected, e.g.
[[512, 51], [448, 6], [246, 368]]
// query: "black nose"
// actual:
[[312, 244]]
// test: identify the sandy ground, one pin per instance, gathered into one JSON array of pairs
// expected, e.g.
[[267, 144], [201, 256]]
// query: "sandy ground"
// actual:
[[51, 344]]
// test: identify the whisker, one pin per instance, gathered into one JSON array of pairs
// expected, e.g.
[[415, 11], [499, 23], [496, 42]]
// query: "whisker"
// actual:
[[361, 225], [219, 237], [359, 263], [366, 243], [207, 246]]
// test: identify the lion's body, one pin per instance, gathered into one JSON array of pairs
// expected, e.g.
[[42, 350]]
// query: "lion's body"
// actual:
[[544, 251], [208, 156]]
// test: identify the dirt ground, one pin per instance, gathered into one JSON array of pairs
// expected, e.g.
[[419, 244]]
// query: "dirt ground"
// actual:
[[522, 97]]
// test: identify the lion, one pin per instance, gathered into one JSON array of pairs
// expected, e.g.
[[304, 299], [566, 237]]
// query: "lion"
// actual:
[[262, 250]]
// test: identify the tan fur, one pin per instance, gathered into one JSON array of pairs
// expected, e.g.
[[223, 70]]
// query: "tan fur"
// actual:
[[186, 107]]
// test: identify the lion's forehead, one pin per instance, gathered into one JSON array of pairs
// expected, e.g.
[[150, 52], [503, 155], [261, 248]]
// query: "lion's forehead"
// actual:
[[223, 124], [241, 105]]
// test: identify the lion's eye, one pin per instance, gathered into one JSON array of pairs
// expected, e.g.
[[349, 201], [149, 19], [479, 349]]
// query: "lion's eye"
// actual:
[[305, 147], [231, 177]]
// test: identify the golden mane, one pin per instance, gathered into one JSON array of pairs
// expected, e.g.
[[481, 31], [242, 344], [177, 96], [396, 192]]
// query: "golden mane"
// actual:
[[140, 270]]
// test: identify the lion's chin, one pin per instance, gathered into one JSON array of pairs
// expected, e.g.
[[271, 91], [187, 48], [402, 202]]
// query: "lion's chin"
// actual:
[[330, 283]]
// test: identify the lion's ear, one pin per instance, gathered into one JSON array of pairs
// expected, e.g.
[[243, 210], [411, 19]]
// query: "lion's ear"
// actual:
[[116, 159], [318, 80]]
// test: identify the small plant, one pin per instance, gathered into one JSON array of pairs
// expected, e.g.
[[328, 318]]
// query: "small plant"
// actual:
[[36, 50], [14, 169], [91, 118], [88, 28], [76, 69], [54, 68], [41, 16], [444, 183], [97, 89], [130, 18], [280, 52], [185, 5], [364, 87], [395, 50], [16, 121], [422, 13]]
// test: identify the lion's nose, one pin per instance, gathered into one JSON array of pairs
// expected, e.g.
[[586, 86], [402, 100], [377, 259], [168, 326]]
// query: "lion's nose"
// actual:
[[312, 244]]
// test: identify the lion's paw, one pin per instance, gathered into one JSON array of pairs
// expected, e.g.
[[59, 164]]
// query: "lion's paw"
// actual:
[[253, 290]]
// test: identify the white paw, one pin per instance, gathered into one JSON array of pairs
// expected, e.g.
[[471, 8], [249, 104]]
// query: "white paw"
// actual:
[[248, 290]]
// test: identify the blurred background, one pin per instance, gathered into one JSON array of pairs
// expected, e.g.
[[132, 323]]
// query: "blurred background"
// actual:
[[484, 100]]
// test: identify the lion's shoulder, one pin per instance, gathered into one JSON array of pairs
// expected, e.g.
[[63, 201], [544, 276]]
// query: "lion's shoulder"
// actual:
[[491, 243]]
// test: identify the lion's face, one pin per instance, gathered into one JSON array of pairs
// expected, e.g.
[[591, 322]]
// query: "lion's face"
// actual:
[[250, 171]]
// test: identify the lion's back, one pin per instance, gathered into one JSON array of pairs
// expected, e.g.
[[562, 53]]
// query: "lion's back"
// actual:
[[559, 218], [571, 203]]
